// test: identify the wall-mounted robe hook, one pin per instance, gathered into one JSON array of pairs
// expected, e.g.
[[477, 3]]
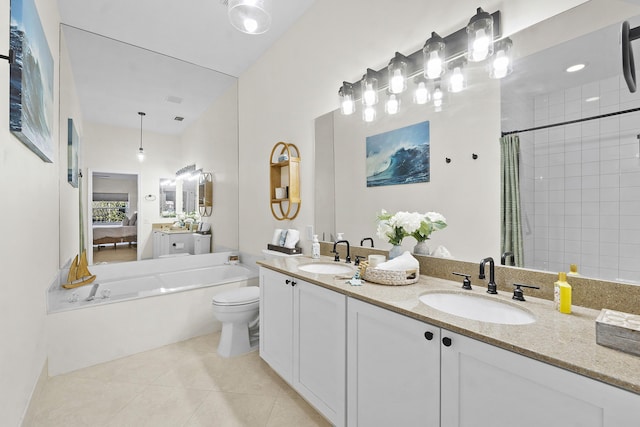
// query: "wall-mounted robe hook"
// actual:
[[447, 159], [474, 156]]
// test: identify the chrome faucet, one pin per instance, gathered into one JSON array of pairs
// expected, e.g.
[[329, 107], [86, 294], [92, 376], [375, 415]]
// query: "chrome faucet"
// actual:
[[492, 288], [365, 239], [337, 257]]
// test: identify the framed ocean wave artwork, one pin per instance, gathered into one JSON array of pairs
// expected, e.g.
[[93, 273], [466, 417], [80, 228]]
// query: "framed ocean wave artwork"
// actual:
[[400, 156], [31, 81]]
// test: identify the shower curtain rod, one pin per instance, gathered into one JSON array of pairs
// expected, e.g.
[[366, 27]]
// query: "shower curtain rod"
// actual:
[[570, 122]]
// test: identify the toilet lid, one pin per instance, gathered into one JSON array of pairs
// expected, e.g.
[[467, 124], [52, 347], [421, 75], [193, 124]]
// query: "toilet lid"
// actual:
[[238, 296]]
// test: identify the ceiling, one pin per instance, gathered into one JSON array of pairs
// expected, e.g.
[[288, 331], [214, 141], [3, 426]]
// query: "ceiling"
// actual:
[[165, 58]]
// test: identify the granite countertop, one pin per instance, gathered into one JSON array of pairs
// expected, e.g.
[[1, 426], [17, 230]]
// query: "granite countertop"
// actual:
[[567, 341]]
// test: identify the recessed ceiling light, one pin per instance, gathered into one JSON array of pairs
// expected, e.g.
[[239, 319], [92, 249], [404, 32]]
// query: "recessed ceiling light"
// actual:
[[574, 68], [592, 99]]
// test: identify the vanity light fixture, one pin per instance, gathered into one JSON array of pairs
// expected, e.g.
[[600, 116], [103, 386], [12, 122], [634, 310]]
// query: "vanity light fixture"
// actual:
[[438, 98], [478, 41], [141, 150], [480, 36], [250, 16], [398, 73], [393, 104], [421, 95], [434, 56], [347, 99], [457, 81], [370, 88], [502, 63]]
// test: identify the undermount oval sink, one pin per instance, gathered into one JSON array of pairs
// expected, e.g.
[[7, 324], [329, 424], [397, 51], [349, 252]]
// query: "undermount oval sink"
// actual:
[[478, 307], [326, 268]]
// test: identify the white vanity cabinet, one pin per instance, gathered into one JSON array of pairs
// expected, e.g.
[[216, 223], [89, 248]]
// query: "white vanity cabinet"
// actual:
[[483, 385], [303, 338], [393, 368]]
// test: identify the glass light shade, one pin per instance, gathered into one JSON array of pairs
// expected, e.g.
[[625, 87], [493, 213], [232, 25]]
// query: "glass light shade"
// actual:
[[457, 82], [347, 100], [393, 104], [141, 154], [434, 57], [438, 98], [480, 36], [250, 16], [369, 114], [501, 64], [421, 95], [369, 90], [397, 75]]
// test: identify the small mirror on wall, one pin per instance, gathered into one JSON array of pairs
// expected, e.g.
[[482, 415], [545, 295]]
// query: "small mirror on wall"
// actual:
[[205, 194]]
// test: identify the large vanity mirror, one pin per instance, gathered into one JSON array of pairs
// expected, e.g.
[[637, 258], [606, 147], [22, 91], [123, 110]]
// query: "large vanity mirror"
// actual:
[[579, 181], [190, 116]]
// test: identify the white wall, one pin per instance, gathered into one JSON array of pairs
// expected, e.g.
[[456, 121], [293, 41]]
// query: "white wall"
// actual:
[[212, 143], [29, 253], [69, 196], [110, 149], [298, 78]]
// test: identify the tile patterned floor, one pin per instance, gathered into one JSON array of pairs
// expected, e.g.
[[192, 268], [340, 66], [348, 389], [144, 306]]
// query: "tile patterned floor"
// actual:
[[183, 384]]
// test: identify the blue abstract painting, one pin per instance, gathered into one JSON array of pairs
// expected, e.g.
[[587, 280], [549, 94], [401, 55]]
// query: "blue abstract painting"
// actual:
[[399, 156], [31, 81]]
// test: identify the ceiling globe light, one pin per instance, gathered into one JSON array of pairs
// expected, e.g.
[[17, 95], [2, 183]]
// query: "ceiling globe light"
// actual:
[[480, 36], [574, 68], [250, 16]]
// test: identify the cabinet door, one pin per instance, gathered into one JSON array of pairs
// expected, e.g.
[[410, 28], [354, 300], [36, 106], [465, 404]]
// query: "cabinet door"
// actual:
[[393, 368], [483, 385], [319, 349], [276, 322]]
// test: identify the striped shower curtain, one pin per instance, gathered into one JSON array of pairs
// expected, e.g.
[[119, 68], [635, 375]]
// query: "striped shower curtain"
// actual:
[[511, 227]]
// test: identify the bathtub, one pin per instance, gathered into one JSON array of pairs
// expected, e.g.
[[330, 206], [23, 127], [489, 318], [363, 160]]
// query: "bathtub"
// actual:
[[137, 306]]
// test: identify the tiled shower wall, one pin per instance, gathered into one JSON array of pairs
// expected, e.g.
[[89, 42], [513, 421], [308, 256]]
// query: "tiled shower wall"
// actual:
[[585, 181]]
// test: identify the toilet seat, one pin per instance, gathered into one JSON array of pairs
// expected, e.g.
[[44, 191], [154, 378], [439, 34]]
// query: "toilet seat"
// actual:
[[241, 296]]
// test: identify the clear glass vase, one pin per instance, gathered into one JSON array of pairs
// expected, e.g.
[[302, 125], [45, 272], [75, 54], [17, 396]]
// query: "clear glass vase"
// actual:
[[395, 251]]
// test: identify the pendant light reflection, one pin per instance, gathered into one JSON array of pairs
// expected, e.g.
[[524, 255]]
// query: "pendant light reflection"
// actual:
[[421, 94], [393, 105], [141, 150], [457, 82], [480, 36], [250, 16], [438, 98]]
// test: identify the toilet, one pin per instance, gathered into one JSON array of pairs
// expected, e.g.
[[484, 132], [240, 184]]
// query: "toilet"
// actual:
[[237, 310]]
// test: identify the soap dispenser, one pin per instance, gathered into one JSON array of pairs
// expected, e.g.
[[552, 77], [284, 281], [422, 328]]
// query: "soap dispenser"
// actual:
[[562, 294], [315, 247]]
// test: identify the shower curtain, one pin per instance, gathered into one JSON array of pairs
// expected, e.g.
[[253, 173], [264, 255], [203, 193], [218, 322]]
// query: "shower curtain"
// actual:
[[511, 226]]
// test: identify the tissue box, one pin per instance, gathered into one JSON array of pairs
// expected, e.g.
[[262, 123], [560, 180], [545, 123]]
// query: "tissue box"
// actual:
[[618, 330]]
